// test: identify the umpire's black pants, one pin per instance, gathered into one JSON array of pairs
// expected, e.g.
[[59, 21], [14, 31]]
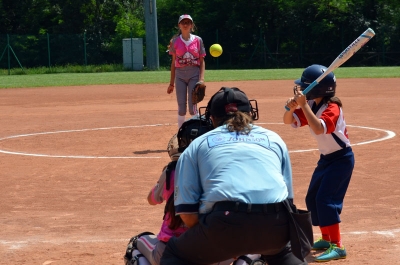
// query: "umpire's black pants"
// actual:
[[232, 230]]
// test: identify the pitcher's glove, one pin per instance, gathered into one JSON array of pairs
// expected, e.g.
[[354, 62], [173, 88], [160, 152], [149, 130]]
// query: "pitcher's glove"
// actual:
[[198, 92]]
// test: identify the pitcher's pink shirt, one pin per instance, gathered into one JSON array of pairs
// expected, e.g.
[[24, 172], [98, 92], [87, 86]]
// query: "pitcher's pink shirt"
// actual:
[[159, 194], [187, 54]]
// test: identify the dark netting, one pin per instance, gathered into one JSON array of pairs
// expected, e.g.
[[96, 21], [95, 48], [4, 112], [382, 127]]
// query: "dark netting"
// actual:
[[257, 50]]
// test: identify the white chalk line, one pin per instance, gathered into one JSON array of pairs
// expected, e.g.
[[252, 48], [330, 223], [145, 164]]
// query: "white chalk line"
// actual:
[[389, 135], [17, 244], [80, 156], [23, 243]]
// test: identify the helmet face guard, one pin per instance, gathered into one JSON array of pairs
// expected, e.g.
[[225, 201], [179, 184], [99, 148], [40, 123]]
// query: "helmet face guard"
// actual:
[[325, 88], [190, 130]]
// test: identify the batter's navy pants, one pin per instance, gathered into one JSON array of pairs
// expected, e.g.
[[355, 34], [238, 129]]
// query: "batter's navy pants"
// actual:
[[328, 187]]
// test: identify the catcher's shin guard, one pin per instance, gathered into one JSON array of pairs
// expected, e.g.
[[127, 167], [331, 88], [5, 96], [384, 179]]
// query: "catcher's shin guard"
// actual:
[[137, 259], [132, 245], [250, 259]]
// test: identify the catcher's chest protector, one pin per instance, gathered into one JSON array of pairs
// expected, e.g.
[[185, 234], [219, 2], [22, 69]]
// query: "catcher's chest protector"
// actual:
[[170, 167]]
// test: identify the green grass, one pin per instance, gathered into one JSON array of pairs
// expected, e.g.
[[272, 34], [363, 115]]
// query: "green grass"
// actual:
[[41, 78]]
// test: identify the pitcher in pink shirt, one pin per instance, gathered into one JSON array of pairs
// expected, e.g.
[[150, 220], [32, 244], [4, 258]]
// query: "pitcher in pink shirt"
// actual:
[[187, 66]]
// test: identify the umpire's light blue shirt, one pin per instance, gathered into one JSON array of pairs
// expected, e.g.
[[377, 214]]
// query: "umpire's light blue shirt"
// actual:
[[224, 166]]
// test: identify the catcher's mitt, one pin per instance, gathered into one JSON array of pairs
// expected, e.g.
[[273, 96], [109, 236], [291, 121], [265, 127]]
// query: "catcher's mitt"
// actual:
[[198, 92]]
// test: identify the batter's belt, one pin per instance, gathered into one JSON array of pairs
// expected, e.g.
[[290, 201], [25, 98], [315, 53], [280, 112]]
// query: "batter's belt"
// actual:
[[248, 207]]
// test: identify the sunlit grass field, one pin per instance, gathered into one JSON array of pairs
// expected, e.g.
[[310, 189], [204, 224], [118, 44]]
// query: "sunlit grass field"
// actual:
[[45, 78]]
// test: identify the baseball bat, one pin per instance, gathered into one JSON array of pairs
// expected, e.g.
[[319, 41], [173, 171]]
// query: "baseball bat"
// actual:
[[342, 58]]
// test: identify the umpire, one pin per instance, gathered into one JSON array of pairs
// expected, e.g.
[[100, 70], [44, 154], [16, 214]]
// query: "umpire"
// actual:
[[229, 188]]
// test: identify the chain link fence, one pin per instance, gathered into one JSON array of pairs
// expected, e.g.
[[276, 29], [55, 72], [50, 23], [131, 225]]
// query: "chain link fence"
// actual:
[[49, 50]]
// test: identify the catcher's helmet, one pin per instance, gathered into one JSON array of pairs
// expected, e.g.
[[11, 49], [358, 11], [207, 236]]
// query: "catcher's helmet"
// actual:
[[190, 130], [326, 87]]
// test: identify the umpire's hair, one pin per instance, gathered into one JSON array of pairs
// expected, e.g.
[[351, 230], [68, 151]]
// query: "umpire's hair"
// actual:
[[235, 122]]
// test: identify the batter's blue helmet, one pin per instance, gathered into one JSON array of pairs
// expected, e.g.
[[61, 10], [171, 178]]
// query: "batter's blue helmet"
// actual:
[[326, 87]]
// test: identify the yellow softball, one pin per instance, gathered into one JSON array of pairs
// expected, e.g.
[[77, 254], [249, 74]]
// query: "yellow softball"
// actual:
[[215, 50]]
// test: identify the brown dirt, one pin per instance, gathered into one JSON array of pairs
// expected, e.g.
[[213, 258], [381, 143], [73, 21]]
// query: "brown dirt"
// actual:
[[77, 164]]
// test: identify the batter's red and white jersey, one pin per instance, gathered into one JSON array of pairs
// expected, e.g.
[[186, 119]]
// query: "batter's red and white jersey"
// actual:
[[335, 135]]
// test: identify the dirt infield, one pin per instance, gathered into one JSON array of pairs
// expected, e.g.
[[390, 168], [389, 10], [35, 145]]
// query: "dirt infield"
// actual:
[[76, 164]]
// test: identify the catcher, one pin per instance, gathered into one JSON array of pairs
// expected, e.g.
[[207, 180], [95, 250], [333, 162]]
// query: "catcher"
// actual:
[[148, 245]]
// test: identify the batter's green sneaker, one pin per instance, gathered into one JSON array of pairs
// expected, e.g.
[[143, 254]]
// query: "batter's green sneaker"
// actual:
[[332, 253], [321, 244]]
